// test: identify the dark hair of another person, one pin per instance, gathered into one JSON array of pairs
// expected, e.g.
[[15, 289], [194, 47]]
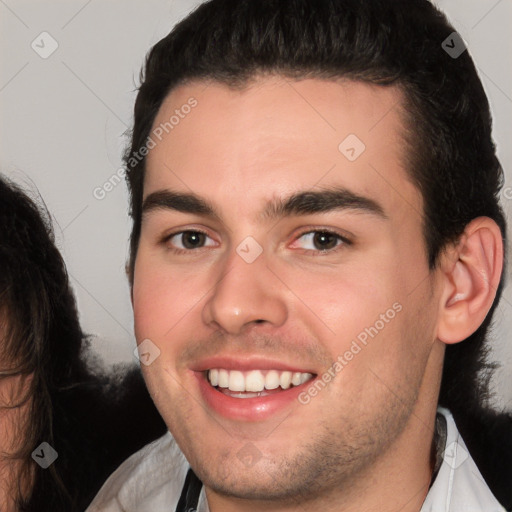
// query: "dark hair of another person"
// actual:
[[451, 154], [93, 421]]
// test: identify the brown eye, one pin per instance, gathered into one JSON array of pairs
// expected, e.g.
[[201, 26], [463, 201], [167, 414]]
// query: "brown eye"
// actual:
[[324, 240], [189, 240], [321, 241], [192, 239]]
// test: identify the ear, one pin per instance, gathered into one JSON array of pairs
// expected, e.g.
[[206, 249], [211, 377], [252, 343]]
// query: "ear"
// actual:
[[470, 272]]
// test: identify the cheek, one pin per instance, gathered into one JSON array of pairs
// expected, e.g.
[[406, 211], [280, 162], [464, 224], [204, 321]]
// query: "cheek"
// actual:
[[152, 298], [164, 297], [147, 306], [361, 314], [346, 301]]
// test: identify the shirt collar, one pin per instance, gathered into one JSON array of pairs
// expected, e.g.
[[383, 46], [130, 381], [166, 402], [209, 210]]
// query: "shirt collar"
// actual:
[[459, 484]]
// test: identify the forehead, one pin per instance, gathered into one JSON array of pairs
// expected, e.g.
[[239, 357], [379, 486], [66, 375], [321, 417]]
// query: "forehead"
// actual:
[[275, 136]]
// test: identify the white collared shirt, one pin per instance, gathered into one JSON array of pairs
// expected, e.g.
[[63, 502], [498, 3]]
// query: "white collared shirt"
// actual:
[[459, 486], [151, 480]]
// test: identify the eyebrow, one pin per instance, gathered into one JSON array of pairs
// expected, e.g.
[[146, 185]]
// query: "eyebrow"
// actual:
[[322, 201], [299, 203], [178, 201]]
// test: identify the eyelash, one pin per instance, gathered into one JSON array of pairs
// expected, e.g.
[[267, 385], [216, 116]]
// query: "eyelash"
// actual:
[[343, 239]]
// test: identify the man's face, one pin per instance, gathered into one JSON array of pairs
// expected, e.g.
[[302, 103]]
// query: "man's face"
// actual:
[[304, 249]]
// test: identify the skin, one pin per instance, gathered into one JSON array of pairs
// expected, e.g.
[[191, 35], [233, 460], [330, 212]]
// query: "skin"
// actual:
[[13, 419], [364, 441]]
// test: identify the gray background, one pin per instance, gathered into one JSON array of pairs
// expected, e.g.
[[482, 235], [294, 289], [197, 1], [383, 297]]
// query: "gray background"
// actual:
[[63, 119]]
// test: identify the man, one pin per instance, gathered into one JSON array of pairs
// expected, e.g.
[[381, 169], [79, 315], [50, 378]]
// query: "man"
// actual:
[[316, 253]]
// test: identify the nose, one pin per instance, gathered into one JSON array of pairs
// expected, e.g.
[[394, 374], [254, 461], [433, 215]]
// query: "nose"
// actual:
[[245, 294]]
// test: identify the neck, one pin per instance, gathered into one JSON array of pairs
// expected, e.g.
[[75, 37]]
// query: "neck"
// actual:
[[14, 484], [15, 478]]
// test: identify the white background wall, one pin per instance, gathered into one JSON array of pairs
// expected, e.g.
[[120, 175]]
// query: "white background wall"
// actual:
[[62, 119]]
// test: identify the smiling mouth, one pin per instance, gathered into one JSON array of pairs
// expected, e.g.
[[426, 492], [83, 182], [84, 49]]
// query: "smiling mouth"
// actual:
[[254, 383]]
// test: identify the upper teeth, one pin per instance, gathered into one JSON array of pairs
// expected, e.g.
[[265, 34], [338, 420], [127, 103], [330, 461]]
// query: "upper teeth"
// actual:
[[256, 380]]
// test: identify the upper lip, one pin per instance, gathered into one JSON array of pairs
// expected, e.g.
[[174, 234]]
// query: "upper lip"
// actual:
[[247, 364]]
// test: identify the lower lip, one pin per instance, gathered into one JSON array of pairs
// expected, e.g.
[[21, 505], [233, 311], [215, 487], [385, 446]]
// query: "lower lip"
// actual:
[[248, 409]]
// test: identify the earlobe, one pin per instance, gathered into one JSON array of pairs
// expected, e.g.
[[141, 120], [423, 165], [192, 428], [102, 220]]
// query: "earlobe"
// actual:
[[471, 273]]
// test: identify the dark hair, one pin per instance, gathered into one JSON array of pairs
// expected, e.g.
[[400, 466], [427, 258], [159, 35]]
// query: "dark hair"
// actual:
[[451, 154], [84, 415]]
